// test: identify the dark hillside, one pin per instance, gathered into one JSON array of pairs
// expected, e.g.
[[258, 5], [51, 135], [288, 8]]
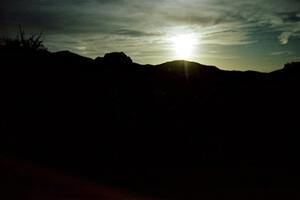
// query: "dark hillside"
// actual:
[[151, 128]]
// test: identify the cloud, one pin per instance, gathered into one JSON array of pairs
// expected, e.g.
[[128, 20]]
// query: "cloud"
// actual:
[[290, 16], [227, 37], [278, 16], [115, 16], [134, 33], [94, 27], [278, 53], [284, 37]]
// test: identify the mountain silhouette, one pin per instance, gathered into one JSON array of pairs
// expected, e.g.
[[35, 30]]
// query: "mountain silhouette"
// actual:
[[119, 122], [117, 59]]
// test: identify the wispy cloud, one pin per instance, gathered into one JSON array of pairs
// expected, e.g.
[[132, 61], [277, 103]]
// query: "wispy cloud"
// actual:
[[278, 53], [144, 18], [284, 37], [94, 27]]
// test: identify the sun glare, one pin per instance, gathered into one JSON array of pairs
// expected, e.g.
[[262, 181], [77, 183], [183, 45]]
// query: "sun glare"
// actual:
[[183, 46]]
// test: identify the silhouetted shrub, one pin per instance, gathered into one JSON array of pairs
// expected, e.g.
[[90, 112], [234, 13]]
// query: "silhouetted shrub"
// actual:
[[21, 43]]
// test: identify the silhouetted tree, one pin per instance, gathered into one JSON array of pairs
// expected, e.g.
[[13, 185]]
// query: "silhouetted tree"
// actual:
[[22, 43]]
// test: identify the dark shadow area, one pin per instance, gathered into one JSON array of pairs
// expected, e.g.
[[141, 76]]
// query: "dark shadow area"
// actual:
[[179, 130]]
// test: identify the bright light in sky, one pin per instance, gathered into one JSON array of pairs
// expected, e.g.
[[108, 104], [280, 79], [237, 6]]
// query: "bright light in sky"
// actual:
[[184, 46], [261, 38]]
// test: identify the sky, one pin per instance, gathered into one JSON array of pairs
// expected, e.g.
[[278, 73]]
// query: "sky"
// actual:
[[260, 35]]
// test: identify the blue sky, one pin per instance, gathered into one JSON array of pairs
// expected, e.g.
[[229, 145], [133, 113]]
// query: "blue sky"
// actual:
[[257, 35]]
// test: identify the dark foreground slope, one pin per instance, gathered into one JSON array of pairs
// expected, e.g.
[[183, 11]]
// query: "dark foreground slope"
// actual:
[[154, 129]]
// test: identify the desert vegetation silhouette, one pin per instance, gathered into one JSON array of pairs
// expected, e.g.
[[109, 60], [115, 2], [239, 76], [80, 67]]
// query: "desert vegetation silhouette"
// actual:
[[21, 43]]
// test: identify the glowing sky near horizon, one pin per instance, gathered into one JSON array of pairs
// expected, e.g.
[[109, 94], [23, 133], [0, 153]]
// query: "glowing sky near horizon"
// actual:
[[232, 34]]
